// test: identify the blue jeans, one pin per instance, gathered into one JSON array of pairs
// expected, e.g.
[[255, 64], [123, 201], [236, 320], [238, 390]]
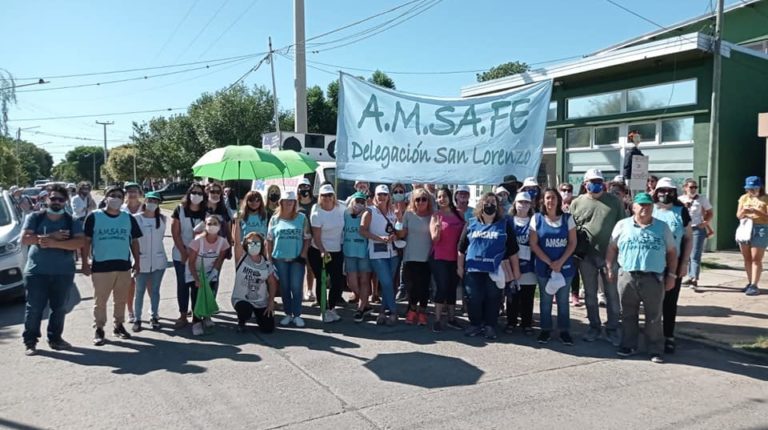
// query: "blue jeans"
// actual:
[[484, 299], [182, 289], [45, 290], [154, 279], [694, 266], [291, 276], [563, 307], [385, 270]]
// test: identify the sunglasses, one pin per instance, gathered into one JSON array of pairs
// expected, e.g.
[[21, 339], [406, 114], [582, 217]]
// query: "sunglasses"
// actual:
[[196, 193], [566, 190], [420, 199], [57, 199], [360, 201], [254, 199], [398, 192], [693, 187], [382, 194], [326, 195]]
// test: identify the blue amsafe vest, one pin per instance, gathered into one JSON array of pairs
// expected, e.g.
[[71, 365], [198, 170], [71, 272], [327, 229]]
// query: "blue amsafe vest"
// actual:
[[111, 237], [522, 233], [673, 218], [487, 245], [553, 241]]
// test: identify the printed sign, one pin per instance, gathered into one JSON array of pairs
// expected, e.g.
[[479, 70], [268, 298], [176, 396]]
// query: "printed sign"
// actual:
[[388, 136]]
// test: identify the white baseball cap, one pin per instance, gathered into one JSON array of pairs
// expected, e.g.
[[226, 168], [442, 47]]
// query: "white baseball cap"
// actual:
[[665, 183], [288, 195], [500, 190], [305, 181], [326, 189], [593, 174], [462, 188], [382, 189], [522, 197], [530, 182]]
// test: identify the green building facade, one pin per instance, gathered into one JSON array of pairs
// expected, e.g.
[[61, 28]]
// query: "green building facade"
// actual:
[[660, 84]]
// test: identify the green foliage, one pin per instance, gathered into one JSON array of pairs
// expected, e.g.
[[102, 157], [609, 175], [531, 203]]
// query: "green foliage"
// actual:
[[382, 79], [66, 171], [9, 164], [502, 70], [7, 98], [36, 162], [78, 164], [119, 167]]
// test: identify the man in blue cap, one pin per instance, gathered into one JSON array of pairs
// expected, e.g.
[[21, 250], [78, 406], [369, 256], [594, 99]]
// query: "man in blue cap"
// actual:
[[645, 251]]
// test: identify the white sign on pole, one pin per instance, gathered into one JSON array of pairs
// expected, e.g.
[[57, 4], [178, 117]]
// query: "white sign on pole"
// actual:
[[639, 173]]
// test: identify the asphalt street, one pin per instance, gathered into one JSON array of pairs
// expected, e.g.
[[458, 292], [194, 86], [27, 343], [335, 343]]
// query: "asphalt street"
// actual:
[[360, 376]]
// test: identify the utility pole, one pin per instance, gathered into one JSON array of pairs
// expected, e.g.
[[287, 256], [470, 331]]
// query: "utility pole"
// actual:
[[300, 66], [714, 118], [105, 124], [274, 94]]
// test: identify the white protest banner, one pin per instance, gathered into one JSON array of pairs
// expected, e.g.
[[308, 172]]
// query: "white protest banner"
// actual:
[[389, 136]]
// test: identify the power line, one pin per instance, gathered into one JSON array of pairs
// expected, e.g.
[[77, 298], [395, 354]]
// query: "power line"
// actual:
[[175, 30], [251, 70], [202, 30], [96, 114], [226, 30], [61, 136], [168, 66], [630, 11], [137, 78]]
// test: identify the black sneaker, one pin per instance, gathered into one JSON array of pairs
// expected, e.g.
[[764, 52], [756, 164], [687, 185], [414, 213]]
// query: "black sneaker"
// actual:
[[454, 324], [437, 327], [241, 328], [98, 337], [509, 329], [358, 316], [367, 310], [669, 346], [625, 352], [473, 330], [544, 337], [566, 338], [30, 350], [155, 324], [402, 296], [59, 345], [746, 288], [490, 333], [136, 326], [121, 332], [528, 331]]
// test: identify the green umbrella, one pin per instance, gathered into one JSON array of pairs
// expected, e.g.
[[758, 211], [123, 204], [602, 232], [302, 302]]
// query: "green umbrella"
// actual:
[[238, 162], [296, 164]]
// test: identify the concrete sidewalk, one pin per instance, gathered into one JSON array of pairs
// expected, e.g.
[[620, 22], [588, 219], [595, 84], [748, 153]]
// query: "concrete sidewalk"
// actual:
[[720, 314]]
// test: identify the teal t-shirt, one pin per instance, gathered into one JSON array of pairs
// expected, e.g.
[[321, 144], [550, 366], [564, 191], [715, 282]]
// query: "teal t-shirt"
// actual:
[[354, 244], [642, 248], [676, 222], [287, 236], [49, 261], [111, 237], [254, 223]]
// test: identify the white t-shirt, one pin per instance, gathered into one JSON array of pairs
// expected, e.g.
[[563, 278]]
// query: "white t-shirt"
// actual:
[[251, 282], [207, 253], [553, 224], [696, 207], [331, 224]]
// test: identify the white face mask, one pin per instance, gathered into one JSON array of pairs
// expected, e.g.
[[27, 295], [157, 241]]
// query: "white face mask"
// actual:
[[114, 203], [254, 248], [151, 206], [196, 199], [359, 207], [522, 209], [212, 229], [565, 194]]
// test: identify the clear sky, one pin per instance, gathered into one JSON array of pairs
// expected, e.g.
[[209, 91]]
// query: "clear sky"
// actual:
[[42, 39]]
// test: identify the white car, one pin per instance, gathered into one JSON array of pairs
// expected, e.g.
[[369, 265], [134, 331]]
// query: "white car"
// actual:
[[13, 255]]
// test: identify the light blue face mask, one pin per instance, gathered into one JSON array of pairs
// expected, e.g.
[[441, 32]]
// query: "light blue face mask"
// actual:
[[398, 197], [55, 212]]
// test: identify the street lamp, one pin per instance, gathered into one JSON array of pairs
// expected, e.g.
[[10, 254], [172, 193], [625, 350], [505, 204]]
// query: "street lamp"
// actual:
[[18, 142]]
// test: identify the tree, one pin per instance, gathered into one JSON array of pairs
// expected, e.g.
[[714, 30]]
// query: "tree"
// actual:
[[7, 98], [9, 164], [80, 161], [66, 171], [119, 167], [36, 162], [321, 118], [382, 79], [502, 70]]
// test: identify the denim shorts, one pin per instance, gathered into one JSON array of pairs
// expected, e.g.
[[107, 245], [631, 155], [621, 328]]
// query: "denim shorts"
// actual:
[[759, 236], [357, 265]]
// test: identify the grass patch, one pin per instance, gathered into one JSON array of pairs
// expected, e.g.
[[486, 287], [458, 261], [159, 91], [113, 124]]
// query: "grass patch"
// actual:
[[760, 345]]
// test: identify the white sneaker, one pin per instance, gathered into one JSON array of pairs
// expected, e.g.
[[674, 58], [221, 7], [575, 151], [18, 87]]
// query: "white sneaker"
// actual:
[[311, 298], [330, 316], [208, 323], [335, 315], [197, 329], [286, 320], [298, 322]]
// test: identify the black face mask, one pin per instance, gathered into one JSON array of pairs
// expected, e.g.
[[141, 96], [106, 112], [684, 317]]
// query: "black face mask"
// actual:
[[666, 198], [304, 193], [274, 198], [489, 209]]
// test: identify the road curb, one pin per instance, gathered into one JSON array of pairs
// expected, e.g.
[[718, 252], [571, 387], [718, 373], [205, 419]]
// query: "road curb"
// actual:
[[722, 346]]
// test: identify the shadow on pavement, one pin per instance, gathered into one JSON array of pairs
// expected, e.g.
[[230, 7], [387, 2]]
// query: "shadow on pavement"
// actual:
[[424, 370], [144, 355], [15, 425], [715, 312]]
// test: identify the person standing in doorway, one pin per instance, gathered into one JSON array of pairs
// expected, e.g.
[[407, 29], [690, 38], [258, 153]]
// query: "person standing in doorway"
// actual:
[[112, 237], [645, 250], [701, 214], [53, 236], [596, 213]]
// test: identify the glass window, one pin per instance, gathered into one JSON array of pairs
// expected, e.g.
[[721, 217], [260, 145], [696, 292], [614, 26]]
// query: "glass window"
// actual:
[[761, 46], [550, 139], [647, 131], [601, 104], [662, 96], [606, 136], [577, 137], [552, 112], [677, 130]]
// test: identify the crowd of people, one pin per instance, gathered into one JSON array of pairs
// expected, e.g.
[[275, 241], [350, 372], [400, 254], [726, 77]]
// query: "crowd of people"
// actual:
[[387, 245]]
